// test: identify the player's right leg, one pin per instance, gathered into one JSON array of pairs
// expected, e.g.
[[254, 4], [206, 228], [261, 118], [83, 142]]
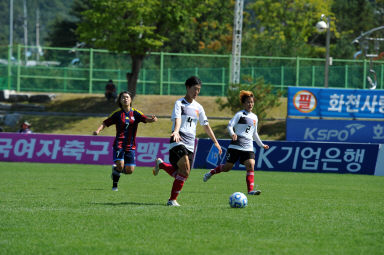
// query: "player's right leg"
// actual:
[[116, 172], [181, 159], [117, 168], [180, 178], [249, 165]]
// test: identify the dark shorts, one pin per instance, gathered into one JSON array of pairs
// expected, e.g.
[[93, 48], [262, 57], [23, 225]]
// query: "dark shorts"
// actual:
[[177, 152], [234, 155], [127, 156]]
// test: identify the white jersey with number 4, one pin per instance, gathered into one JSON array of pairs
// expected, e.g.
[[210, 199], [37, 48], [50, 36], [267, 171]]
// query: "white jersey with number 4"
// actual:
[[244, 125], [189, 113]]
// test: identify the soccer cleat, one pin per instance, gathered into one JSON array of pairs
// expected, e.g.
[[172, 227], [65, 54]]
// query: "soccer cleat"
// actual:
[[172, 203], [254, 192], [114, 186], [156, 169], [207, 176]]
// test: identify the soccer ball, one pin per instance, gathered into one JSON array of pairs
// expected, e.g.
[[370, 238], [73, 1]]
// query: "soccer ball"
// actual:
[[238, 200]]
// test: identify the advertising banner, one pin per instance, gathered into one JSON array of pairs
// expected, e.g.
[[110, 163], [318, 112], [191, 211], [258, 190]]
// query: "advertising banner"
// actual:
[[75, 149], [320, 157], [339, 103], [298, 157], [335, 130]]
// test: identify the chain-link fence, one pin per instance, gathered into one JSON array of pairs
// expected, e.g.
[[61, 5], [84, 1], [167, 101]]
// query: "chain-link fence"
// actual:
[[79, 70]]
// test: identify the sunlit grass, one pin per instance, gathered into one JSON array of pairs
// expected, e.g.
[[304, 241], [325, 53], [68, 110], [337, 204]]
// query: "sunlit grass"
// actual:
[[161, 106], [70, 209]]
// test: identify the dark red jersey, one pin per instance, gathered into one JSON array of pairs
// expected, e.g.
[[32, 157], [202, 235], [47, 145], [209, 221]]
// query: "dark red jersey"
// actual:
[[126, 127]]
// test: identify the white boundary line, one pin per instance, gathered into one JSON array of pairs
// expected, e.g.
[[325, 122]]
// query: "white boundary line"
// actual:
[[379, 171]]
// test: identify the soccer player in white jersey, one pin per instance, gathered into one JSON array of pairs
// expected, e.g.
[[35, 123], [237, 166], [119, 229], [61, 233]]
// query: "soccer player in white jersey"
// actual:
[[243, 130], [185, 116]]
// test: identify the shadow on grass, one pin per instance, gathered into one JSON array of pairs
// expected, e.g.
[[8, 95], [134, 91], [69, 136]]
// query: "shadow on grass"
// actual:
[[48, 124], [128, 203], [219, 130], [85, 105], [274, 129], [51, 123]]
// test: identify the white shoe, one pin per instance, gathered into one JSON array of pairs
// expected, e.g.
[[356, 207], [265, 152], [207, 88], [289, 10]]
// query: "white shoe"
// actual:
[[254, 192], [156, 169], [172, 203], [115, 189], [207, 176]]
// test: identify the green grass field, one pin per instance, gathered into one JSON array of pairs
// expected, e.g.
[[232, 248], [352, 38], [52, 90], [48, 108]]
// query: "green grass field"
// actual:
[[70, 209]]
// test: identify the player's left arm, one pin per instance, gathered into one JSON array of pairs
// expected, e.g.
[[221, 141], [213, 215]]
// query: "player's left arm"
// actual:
[[204, 121], [144, 118], [152, 119]]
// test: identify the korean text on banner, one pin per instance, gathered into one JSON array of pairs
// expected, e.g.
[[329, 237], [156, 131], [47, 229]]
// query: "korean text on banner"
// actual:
[[300, 157], [75, 149], [341, 103], [320, 130]]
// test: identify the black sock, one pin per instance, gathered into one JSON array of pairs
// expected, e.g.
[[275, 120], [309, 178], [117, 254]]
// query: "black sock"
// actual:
[[115, 180], [115, 177]]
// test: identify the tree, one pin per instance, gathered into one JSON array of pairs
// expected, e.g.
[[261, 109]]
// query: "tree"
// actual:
[[63, 29], [283, 28], [265, 97], [357, 17], [209, 31], [63, 33], [48, 9], [135, 26]]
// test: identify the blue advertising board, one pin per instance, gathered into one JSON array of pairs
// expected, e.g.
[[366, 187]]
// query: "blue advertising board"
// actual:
[[340, 103], [335, 130], [298, 157]]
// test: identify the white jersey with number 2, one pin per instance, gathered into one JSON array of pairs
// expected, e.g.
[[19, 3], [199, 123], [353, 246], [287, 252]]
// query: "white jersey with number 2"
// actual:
[[189, 113], [244, 125]]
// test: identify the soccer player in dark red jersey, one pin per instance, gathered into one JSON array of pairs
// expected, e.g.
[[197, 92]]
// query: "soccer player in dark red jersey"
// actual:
[[126, 119]]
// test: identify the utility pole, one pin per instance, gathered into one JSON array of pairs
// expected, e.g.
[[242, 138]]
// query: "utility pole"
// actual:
[[10, 49], [327, 58], [236, 42], [37, 34], [25, 31], [324, 25], [11, 24]]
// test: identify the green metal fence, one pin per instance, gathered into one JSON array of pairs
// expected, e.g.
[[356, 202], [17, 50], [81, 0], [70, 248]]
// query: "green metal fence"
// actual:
[[78, 70]]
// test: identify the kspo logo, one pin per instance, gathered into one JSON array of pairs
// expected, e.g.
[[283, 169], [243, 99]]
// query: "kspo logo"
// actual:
[[316, 134], [304, 101]]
